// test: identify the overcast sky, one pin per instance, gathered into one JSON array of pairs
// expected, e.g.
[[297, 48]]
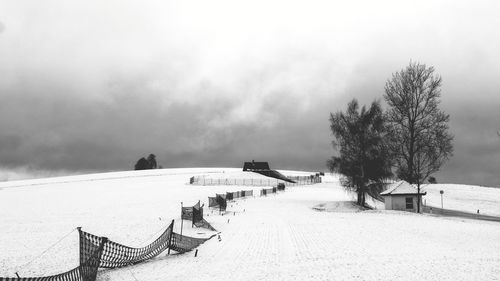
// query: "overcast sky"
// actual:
[[95, 85]]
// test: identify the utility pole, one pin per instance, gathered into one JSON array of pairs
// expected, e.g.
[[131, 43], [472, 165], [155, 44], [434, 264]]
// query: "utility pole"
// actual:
[[441, 191]]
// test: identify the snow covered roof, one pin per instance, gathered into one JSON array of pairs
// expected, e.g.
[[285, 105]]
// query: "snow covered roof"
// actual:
[[400, 188]]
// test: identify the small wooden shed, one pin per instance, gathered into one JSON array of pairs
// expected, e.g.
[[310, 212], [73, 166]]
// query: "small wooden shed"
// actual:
[[402, 196]]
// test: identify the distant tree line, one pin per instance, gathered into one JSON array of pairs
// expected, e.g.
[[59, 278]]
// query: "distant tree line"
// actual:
[[409, 140], [146, 164]]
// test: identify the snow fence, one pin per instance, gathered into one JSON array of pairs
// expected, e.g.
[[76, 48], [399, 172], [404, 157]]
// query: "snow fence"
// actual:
[[265, 192], [182, 244], [195, 215], [220, 200], [299, 180], [99, 252], [90, 258], [117, 255]]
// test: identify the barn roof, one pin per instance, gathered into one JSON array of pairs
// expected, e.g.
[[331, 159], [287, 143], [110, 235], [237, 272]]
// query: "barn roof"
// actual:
[[263, 169], [251, 166], [401, 188]]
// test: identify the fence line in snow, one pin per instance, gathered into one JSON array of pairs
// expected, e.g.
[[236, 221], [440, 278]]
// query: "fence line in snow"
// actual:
[[100, 252], [299, 180]]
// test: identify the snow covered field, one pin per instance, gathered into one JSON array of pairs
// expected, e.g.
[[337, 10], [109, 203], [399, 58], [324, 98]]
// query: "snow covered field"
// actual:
[[467, 198], [278, 237]]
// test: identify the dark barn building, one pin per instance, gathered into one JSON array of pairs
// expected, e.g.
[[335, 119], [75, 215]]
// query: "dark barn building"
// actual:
[[264, 169], [252, 166]]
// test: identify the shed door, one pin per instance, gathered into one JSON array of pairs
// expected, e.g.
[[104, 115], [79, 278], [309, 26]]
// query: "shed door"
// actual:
[[409, 202]]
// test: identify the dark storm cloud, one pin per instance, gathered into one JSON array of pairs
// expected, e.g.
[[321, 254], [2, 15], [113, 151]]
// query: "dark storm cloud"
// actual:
[[477, 146], [93, 86], [79, 133]]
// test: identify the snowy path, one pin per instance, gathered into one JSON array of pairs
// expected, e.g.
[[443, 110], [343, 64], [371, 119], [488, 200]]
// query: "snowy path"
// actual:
[[453, 213], [281, 238]]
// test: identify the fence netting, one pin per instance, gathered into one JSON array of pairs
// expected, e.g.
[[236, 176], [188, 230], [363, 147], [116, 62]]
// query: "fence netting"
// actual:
[[221, 202], [117, 255], [265, 191], [182, 244], [86, 271], [212, 202], [205, 224], [247, 193], [237, 194], [197, 217], [187, 213], [197, 212], [299, 180]]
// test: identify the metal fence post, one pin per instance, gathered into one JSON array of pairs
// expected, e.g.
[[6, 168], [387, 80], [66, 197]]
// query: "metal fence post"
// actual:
[[170, 238]]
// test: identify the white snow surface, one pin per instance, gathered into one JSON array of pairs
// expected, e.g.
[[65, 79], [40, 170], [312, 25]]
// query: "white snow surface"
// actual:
[[278, 237], [400, 187], [467, 198]]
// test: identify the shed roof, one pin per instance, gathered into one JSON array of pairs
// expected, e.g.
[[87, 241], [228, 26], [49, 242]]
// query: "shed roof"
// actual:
[[401, 188]]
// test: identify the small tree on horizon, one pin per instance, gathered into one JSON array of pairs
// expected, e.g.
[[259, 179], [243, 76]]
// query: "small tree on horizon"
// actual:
[[363, 156], [418, 129], [152, 161], [142, 164], [146, 164]]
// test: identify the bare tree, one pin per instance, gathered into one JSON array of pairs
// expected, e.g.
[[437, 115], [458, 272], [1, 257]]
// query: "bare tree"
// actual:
[[419, 134]]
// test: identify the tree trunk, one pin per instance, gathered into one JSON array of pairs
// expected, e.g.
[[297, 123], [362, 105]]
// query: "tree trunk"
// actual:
[[363, 199], [411, 155], [362, 186], [418, 197]]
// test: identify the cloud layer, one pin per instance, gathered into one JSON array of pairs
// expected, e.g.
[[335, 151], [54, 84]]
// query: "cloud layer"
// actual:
[[94, 86]]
